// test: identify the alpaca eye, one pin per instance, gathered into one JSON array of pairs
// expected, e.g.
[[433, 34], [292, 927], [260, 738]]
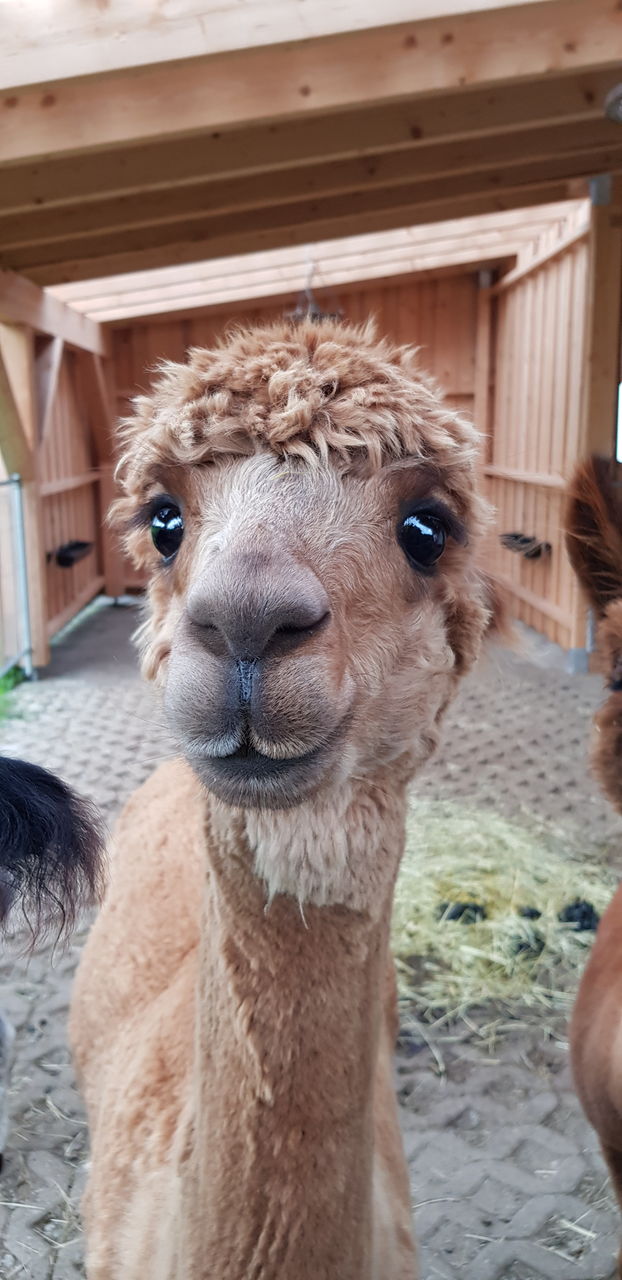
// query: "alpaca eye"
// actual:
[[422, 536], [167, 529]]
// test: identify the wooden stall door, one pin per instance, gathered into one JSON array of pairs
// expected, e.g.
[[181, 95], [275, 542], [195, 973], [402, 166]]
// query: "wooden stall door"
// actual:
[[535, 432], [69, 483]]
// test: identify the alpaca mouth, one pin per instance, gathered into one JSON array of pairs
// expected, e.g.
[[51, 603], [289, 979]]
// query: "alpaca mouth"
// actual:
[[246, 778]]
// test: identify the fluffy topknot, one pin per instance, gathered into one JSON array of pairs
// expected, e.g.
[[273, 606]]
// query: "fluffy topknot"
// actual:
[[327, 392]]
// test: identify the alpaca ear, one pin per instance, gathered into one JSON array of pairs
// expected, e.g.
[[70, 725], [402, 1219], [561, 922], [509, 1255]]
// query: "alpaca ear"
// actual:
[[593, 524]]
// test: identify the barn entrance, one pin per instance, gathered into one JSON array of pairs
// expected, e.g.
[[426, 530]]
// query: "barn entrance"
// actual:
[[454, 169]]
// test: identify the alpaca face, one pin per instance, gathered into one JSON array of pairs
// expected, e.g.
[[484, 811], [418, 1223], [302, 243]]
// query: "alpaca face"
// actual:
[[313, 593]]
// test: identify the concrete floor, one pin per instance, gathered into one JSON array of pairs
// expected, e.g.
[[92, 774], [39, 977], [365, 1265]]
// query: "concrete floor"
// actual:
[[507, 1180]]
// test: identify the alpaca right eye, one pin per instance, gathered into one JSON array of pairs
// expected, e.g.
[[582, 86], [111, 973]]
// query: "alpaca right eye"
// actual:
[[167, 529]]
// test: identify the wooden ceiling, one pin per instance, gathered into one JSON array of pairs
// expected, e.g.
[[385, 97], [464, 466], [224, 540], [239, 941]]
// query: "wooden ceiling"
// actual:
[[491, 241], [288, 140]]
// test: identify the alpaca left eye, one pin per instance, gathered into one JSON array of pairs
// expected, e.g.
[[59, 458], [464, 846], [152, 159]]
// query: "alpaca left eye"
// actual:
[[167, 529], [422, 536]]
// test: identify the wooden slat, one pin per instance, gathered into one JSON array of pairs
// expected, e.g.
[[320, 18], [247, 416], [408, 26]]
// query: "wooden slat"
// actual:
[[436, 56], [543, 480], [535, 601]]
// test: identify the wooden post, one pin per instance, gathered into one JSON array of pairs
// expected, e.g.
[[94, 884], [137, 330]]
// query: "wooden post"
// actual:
[[601, 366], [19, 443]]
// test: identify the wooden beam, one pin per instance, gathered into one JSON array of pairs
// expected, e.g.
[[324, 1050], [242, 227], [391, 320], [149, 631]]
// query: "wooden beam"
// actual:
[[215, 235], [438, 55], [15, 449], [22, 302], [348, 206], [601, 374], [500, 157], [234, 241], [82, 40], [482, 114], [17, 352], [524, 269]]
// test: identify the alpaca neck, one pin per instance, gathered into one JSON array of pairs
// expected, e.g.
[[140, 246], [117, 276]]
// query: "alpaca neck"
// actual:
[[278, 1181]]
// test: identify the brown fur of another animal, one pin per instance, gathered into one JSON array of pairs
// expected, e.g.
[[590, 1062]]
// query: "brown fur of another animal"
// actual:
[[234, 1014], [594, 540]]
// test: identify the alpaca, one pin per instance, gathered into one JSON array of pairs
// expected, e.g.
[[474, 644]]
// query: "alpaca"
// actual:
[[594, 540], [51, 866], [306, 508]]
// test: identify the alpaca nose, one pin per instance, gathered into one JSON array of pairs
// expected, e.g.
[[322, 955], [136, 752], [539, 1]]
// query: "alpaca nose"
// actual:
[[257, 615]]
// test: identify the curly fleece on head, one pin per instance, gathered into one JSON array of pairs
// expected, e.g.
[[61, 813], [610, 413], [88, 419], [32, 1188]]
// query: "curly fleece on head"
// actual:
[[327, 391]]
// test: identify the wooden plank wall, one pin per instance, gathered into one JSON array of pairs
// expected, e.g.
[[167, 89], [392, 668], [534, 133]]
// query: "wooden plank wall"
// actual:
[[69, 488], [436, 314], [536, 429]]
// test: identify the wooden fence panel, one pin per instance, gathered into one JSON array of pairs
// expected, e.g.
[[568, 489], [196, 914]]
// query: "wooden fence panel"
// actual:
[[69, 481], [536, 433]]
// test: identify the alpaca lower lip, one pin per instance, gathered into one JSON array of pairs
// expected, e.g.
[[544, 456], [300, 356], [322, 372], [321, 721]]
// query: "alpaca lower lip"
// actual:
[[248, 778], [249, 763]]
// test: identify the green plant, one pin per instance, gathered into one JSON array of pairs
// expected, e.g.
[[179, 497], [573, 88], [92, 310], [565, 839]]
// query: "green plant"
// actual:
[[9, 682]]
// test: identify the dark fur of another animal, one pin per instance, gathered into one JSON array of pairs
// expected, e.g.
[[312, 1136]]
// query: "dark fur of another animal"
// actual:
[[51, 850], [594, 530]]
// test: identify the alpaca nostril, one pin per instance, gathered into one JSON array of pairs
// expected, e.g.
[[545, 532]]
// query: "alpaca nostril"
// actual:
[[293, 632], [294, 629]]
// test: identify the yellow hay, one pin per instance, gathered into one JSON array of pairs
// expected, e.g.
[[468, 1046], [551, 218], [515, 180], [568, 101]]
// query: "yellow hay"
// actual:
[[457, 853]]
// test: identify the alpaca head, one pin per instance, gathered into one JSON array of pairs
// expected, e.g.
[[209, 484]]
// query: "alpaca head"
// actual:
[[306, 508]]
